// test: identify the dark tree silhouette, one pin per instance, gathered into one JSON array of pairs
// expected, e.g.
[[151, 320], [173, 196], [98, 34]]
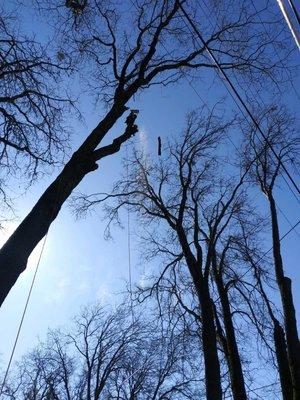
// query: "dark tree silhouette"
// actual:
[[188, 193], [32, 127], [125, 55], [250, 253], [199, 219], [107, 355], [282, 137]]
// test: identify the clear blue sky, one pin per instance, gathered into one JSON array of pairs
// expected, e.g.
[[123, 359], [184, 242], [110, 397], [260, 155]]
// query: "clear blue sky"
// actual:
[[78, 265]]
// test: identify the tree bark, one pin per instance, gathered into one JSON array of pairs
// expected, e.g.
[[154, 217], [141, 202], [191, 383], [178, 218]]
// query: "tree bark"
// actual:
[[284, 284], [15, 252], [209, 342], [208, 335], [233, 356], [282, 361]]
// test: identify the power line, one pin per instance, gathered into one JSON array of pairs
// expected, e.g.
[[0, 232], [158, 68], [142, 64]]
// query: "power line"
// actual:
[[256, 124], [288, 220], [252, 118], [274, 47], [288, 232], [289, 22], [246, 108], [257, 388], [257, 94], [237, 104], [260, 258], [249, 88], [270, 249], [293, 7]]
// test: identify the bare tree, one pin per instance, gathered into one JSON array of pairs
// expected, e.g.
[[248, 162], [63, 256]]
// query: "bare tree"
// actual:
[[195, 207], [106, 355], [205, 232], [249, 250], [32, 127], [282, 138], [126, 54]]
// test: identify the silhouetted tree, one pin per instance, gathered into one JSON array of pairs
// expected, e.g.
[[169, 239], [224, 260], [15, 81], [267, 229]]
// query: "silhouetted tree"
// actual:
[[199, 220], [282, 138], [33, 130], [195, 207], [107, 355], [250, 253], [126, 52]]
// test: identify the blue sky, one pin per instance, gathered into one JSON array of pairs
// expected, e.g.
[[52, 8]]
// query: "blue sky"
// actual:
[[78, 266]]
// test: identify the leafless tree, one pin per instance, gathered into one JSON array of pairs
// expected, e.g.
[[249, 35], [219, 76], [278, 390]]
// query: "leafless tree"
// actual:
[[283, 139], [33, 130], [251, 253], [126, 52], [106, 355], [194, 207], [205, 231]]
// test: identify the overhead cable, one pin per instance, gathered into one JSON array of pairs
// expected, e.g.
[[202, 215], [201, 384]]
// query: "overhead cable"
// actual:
[[289, 22], [244, 105]]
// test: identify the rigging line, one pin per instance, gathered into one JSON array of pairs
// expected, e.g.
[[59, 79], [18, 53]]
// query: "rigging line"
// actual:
[[59, 189], [224, 74], [23, 314], [287, 233], [129, 240]]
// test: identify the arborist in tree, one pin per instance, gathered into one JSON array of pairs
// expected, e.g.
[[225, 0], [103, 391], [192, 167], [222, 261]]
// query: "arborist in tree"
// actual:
[[131, 117]]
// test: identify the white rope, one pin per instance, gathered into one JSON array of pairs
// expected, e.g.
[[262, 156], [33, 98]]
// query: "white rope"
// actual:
[[23, 315]]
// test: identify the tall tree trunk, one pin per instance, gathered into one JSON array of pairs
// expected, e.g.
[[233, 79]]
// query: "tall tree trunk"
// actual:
[[208, 335], [284, 284], [282, 361], [234, 360], [14, 254], [209, 342], [280, 345]]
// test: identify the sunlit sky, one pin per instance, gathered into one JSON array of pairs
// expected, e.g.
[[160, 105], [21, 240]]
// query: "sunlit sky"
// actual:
[[78, 266]]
